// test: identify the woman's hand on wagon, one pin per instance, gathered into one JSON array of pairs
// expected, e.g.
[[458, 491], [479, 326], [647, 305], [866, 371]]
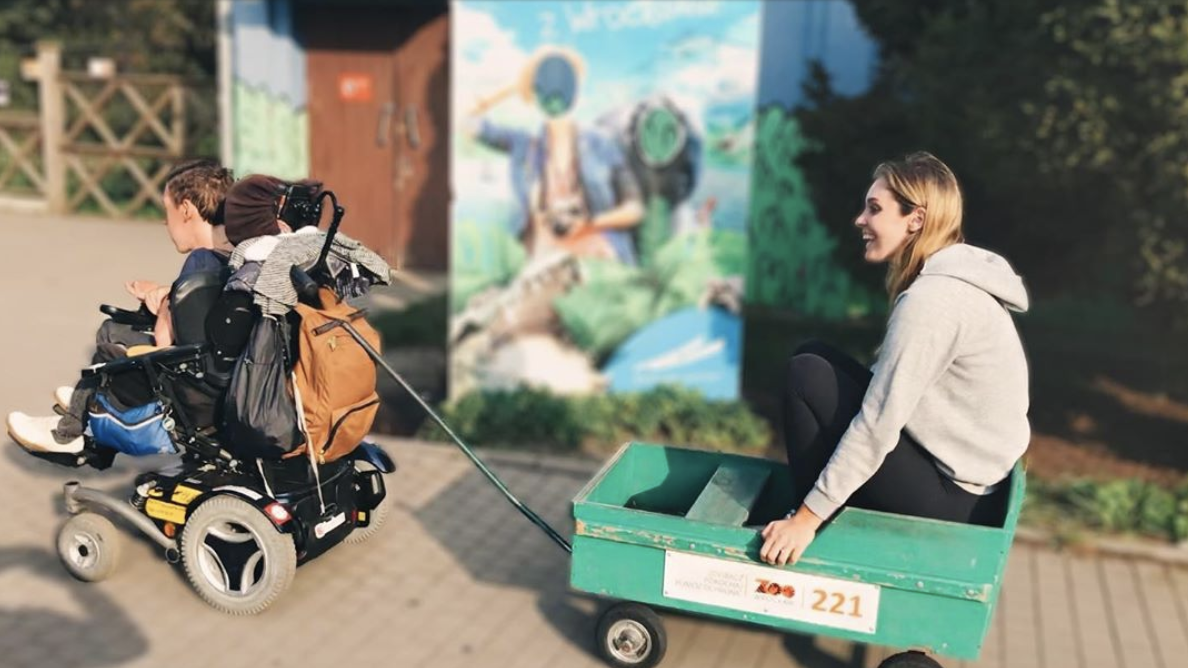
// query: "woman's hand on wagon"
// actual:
[[784, 541]]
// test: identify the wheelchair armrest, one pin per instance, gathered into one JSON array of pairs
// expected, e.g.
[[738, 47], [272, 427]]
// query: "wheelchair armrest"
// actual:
[[163, 357], [142, 319]]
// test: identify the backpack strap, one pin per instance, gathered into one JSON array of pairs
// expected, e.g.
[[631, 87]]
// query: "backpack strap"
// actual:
[[309, 446]]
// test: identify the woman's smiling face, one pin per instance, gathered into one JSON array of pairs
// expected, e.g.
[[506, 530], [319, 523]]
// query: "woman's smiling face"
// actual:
[[884, 227]]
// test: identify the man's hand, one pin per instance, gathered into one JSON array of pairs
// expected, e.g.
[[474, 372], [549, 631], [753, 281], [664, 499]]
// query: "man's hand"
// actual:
[[140, 289], [155, 298], [784, 541]]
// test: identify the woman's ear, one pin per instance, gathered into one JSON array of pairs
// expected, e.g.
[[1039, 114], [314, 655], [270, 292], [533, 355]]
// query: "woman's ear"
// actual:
[[917, 221]]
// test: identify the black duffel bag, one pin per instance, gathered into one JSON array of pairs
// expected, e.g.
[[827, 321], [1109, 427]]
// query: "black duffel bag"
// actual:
[[260, 415]]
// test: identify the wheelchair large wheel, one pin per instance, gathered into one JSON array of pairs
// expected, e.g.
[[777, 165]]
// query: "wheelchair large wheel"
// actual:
[[235, 558], [379, 514], [89, 546]]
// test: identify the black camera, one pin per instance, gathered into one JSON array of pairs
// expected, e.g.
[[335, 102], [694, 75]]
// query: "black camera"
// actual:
[[302, 207]]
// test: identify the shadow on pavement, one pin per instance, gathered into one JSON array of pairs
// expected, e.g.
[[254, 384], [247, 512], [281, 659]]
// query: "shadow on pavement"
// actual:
[[35, 636], [497, 545], [804, 650]]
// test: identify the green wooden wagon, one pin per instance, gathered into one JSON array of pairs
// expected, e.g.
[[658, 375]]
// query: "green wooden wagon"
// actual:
[[679, 529]]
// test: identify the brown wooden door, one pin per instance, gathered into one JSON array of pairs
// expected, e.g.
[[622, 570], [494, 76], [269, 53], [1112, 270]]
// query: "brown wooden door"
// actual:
[[378, 96], [421, 167]]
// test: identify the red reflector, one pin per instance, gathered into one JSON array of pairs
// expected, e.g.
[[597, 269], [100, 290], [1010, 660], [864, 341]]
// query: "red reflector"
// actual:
[[278, 513]]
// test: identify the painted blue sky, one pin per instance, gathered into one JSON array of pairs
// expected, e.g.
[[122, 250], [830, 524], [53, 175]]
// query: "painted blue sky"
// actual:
[[705, 51]]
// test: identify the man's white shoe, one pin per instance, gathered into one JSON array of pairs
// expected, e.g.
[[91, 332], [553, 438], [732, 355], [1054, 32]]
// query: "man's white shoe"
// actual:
[[36, 434], [62, 395]]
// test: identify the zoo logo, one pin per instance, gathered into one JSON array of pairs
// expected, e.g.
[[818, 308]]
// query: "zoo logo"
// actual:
[[774, 589]]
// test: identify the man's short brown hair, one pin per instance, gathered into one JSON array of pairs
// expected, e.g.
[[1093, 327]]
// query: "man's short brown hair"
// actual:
[[204, 183]]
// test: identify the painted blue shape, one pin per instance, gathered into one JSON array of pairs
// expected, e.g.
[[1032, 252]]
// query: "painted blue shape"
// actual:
[[796, 33], [697, 348], [266, 55]]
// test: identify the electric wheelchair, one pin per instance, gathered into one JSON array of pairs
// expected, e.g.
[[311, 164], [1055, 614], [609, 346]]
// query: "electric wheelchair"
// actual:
[[238, 527]]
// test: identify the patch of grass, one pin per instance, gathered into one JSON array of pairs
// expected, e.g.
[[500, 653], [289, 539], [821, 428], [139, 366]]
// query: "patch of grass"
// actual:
[[422, 324], [1122, 506], [538, 418]]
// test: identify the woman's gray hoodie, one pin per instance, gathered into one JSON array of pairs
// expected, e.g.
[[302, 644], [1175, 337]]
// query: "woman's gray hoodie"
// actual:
[[951, 372]]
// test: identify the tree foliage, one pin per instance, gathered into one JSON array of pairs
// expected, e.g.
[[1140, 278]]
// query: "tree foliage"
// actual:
[[1064, 119], [174, 36]]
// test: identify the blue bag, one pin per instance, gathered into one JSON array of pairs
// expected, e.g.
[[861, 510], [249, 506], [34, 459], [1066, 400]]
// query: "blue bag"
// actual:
[[136, 431]]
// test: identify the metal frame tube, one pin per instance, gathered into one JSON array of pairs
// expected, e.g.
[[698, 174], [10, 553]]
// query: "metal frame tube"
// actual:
[[78, 497]]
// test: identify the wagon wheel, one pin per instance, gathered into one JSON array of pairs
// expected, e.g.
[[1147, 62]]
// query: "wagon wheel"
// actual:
[[631, 635], [910, 660]]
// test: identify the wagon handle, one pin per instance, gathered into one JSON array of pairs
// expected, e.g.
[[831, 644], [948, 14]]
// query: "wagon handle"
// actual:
[[527, 512]]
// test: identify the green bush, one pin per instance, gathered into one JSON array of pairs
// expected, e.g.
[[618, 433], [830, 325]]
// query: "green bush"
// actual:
[[420, 324], [1117, 506], [534, 418]]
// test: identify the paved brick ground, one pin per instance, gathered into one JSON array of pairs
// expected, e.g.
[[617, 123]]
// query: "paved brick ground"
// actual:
[[457, 578]]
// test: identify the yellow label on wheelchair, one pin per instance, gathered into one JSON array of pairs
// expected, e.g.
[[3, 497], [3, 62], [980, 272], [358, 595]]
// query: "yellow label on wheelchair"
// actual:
[[167, 512], [184, 495]]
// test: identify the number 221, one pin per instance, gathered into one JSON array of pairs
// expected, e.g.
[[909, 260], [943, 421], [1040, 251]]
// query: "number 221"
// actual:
[[839, 602]]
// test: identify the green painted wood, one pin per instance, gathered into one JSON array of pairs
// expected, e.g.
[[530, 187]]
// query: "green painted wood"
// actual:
[[897, 544], [941, 578], [681, 539], [730, 494], [907, 619]]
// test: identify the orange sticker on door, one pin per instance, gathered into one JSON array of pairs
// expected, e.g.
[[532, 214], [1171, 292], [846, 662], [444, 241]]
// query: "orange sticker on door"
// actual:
[[354, 87]]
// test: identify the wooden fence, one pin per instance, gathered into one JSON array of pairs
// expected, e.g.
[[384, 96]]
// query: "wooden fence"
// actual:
[[101, 145], [22, 177]]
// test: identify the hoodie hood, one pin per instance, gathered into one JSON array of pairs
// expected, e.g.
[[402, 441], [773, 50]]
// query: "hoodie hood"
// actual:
[[982, 269]]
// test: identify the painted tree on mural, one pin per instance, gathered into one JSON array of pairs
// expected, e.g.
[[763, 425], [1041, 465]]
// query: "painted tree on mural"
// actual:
[[793, 265], [1064, 121]]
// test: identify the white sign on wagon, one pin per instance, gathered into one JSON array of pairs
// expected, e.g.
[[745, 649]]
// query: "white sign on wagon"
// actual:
[[771, 591]]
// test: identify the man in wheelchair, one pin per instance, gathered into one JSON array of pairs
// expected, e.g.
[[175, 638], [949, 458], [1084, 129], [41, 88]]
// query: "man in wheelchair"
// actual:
[[193, 201], [174, 400], [137, 394]]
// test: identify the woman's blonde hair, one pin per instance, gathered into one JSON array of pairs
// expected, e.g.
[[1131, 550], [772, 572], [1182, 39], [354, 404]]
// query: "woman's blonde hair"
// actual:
[[921, 181]]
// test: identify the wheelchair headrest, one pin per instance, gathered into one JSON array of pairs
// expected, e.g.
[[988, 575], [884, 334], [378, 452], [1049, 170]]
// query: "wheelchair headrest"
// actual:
[[191, 300]]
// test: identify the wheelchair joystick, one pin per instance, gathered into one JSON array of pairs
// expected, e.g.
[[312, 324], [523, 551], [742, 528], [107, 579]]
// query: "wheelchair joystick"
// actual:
[[307, 288]]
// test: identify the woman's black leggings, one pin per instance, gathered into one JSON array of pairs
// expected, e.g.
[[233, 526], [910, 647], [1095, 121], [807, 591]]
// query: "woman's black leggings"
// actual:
[[824, 392]]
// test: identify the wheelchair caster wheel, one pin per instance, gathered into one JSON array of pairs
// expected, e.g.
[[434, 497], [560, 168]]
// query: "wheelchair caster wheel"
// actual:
[[89, 546]]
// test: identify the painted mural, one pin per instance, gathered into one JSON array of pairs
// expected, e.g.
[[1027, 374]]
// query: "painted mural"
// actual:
[[281, 148], [601, 169], [269, 115]]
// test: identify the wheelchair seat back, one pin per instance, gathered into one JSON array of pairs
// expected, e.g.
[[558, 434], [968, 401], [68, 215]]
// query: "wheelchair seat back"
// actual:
[[191, 300]]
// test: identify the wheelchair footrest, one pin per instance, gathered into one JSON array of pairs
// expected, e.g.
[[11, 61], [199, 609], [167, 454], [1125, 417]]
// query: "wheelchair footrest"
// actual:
[[95, 457]]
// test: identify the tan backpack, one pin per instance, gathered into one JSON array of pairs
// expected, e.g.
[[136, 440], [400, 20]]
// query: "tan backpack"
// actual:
[[334, 378]]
